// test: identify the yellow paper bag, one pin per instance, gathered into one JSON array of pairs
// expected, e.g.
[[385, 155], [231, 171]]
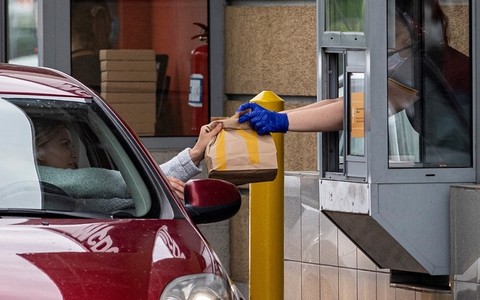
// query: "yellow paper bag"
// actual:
[[239, 155]]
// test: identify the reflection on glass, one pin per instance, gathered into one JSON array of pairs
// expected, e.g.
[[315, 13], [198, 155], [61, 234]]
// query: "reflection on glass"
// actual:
[[429, 84], [345, 15], [152, 92], [22, 32], [357, 128]]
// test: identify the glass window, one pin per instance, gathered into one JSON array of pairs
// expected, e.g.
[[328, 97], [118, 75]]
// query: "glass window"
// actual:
[[79, 161], [345, 15], [22, 42], [18, 180], [429, 84], [357, 123], [162, 93]]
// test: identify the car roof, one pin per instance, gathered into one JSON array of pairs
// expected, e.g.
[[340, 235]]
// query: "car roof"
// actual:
[[39, 81]]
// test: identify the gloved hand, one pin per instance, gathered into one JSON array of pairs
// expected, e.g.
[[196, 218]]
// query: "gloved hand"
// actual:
[[263, 121]]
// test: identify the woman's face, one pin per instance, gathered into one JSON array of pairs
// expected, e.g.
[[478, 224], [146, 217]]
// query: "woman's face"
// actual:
[[59, 151]]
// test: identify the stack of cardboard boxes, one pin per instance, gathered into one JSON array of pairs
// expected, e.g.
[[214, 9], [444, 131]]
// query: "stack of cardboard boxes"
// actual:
[[129, 85]]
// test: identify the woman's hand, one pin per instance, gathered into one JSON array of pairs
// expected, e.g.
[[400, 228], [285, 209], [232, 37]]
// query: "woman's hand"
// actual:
[[207, 132], [178, 186]]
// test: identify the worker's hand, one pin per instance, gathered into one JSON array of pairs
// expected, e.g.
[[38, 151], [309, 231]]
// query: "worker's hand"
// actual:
[[263, 121]]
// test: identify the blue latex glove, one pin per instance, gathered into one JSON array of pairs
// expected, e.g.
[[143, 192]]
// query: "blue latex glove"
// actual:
[[263, 121]]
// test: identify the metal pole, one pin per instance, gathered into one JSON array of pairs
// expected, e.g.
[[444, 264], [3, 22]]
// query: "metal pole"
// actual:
[[266, 221]]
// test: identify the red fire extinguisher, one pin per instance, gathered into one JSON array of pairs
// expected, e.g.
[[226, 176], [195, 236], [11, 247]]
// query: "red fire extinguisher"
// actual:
[[198, 95]]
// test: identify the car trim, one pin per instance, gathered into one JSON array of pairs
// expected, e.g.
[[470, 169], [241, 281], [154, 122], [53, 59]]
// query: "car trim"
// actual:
[[43, 97]]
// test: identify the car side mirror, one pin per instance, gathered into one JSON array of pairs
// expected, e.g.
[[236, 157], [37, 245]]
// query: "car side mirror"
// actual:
[[211, 200]]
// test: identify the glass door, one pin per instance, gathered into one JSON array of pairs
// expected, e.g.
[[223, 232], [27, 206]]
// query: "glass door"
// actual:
[[21, 32]]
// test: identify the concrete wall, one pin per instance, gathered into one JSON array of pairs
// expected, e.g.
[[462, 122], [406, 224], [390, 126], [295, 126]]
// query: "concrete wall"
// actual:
[[465, 240], [271, 48]]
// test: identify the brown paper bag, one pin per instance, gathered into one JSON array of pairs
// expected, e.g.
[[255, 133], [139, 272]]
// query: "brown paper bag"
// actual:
[[400, 96], [239, 155]]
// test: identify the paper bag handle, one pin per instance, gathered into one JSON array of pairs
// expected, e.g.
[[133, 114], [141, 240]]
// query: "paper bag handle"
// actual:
[[230, 123]]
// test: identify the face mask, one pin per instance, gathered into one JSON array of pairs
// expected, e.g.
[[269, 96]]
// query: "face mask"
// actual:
[[394, 61]]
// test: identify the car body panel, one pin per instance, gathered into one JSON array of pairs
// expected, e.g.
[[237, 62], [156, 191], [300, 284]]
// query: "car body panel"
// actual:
[[110, 259], [25, 80]]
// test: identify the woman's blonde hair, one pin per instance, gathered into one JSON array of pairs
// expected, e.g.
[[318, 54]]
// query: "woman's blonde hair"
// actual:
[[45, 130]]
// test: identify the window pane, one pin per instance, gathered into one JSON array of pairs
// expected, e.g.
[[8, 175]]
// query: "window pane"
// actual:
[[357, 124], [75, 142], [429, 86], [345, 15], [162, 94], [22, 32]]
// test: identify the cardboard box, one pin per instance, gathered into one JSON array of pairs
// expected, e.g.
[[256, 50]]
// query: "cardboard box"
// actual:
[[128, 86], [142, 76], [129, 97], [127, 54], [128, 65]]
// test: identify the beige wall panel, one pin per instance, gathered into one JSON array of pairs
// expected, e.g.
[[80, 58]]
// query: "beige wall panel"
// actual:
[[458, 24], [270, 48]]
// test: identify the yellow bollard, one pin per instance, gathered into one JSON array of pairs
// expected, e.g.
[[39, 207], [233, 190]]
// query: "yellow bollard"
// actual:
[[266, 221]]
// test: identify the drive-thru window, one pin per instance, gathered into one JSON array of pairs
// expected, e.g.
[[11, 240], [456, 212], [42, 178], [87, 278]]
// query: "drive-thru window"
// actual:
[[404, 69]]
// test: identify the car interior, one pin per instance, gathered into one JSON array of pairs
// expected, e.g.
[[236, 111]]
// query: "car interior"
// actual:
[[98, 149]]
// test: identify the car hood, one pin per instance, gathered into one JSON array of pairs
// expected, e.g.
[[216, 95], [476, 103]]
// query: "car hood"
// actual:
[[111, 259]]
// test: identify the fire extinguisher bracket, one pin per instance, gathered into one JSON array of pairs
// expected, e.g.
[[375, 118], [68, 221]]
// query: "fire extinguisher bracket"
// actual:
[[196, 89]]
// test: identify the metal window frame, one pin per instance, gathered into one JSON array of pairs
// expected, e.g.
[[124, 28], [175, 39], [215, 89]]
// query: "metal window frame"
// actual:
[[376, 116], [54, 34], [3, 30]]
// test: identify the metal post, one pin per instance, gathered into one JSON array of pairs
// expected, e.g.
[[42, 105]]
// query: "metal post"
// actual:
[[266, 221]]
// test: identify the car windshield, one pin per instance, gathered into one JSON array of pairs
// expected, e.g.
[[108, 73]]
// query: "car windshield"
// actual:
[[66, 156]]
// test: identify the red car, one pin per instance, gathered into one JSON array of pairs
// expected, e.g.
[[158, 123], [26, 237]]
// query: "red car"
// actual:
[[119, 232]]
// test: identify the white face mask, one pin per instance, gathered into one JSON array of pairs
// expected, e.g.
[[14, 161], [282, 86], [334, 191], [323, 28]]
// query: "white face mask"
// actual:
[[394, 61]]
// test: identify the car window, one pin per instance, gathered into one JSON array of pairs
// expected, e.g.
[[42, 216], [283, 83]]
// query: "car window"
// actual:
[[80, 162], [19, 186]]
